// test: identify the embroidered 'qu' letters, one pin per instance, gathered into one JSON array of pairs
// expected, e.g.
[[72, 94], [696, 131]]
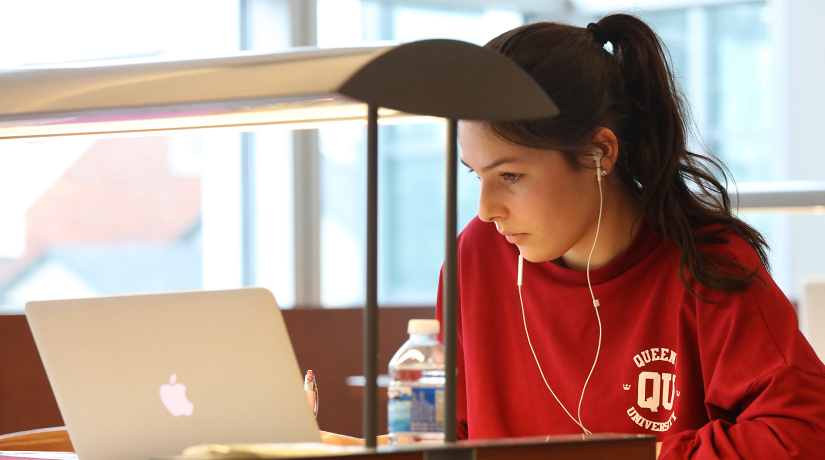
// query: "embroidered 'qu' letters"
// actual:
[[655, 389]]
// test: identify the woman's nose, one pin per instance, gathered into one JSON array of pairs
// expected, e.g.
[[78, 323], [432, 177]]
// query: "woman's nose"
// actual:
[[490, 207]]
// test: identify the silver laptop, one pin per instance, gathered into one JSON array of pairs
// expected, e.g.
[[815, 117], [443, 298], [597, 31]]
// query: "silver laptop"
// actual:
[[143, 376]]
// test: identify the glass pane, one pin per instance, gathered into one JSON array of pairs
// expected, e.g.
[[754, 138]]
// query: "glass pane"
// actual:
[[343, 213], [91, 30], [739, 63], [99, 217], [721, 57], [671, 25], [418, 22], [85, 217], [273, 217], [411, 163], [88, 217]]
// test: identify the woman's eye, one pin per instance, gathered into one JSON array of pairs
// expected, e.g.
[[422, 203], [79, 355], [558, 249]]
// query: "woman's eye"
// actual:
[[511, 177]]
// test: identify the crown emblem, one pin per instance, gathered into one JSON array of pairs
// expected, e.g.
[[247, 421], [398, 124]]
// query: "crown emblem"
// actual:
[[626, 386]]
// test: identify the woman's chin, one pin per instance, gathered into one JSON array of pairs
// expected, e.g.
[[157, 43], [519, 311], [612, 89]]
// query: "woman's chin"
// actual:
[[534, 256]]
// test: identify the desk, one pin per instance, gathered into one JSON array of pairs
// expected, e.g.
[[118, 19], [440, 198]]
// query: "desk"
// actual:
[[565, 447]]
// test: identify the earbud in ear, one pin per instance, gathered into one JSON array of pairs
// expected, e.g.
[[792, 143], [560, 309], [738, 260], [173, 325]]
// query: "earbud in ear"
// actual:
[[597, 157]]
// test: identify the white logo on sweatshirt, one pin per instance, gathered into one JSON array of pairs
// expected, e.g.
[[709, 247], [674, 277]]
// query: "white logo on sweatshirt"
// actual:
[[655, 390], [658, 398]]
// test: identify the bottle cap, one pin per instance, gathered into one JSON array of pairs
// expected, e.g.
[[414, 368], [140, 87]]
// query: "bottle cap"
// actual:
[[423, 326]]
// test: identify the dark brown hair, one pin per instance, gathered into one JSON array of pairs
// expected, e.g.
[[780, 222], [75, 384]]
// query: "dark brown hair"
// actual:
[[632, 92]]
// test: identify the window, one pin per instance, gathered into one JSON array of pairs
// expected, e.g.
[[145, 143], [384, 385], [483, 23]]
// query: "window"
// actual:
[[411, 163], [86, 217], [722, 57], [210, 210]]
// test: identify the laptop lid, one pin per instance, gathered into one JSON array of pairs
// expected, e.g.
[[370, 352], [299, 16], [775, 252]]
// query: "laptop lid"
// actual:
[[142, 376]]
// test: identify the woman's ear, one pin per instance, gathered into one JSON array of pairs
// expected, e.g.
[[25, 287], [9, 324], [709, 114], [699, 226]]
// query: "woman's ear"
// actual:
[[607, 142]]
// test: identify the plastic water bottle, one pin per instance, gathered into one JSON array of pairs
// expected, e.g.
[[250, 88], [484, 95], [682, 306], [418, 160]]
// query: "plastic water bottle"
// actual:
[[416, 389]]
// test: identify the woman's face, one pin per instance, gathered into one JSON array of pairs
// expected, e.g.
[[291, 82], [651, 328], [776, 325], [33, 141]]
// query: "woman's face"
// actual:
[[534, 197]]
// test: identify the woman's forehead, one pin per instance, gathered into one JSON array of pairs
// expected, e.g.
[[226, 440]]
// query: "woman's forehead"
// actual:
[[480, 147], [475, 135]]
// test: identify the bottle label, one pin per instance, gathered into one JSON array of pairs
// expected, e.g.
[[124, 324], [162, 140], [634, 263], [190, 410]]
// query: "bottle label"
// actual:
[[427, 409], [416, 409], [399, 409]]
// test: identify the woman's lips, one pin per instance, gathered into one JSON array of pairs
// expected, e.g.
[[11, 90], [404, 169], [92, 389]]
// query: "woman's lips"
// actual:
[[515, 238]]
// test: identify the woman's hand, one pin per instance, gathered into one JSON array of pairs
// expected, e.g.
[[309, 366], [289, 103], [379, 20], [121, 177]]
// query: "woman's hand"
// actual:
[[342, 440]]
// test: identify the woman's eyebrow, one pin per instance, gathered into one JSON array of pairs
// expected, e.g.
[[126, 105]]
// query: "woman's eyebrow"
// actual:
[[494, 164]]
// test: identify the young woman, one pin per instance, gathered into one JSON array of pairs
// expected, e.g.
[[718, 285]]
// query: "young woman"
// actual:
[[645, 305]]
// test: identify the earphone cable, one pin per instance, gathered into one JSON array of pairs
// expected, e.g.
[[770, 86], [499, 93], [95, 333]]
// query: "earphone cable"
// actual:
[[592, 296], [529, 342], [595, 306]]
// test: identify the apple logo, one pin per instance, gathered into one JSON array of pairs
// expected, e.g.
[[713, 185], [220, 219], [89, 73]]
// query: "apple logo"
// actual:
[[173, 396]]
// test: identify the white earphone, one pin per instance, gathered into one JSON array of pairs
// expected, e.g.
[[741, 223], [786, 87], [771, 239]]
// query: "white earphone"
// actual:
[[597, 157]]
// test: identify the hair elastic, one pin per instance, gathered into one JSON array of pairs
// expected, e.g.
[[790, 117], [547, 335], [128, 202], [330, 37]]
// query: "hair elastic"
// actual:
[[597, 32]]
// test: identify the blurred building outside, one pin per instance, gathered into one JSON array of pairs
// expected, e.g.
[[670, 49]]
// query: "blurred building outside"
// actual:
[[120, 219]]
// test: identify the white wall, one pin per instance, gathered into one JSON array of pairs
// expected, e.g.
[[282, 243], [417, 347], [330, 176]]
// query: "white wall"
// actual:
[[805, 124]]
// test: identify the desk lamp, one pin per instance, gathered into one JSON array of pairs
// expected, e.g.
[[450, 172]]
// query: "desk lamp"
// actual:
[[435, 78]]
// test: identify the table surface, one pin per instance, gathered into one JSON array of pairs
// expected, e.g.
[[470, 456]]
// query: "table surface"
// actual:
[[565, 447]]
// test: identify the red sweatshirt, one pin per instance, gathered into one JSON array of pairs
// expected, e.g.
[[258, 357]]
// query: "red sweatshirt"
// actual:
[[730, 379]]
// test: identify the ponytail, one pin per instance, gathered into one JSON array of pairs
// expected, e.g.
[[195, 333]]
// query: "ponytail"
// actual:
[[632, 92]]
